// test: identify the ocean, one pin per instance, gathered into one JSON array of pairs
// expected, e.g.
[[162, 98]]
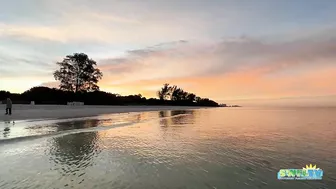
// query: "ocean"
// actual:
[[231, 148]]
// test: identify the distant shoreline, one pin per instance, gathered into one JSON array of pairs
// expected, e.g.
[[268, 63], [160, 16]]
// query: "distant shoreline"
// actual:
[[29, 112]]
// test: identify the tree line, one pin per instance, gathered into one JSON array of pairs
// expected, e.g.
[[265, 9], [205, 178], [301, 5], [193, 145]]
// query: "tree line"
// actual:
[[177, 94], [79, 76], [46, 95]]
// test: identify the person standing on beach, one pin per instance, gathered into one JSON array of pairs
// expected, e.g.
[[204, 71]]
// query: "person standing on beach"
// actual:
[[9, 107]]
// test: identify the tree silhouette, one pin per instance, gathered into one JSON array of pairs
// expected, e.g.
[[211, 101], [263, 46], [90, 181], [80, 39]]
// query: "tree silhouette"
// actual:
[[78, 73], [164, 92], [191, 97], [169, 95], [178, 94]]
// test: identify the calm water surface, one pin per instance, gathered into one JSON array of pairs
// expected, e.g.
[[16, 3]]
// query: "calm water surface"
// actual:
[[208, 148]]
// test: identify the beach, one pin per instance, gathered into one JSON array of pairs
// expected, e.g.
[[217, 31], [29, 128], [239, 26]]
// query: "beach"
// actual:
[[28, 112]]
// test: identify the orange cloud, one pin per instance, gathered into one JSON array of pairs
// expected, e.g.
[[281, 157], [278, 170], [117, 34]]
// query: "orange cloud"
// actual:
[[247, 84], [226, 70], [243, 85], [232, 69]]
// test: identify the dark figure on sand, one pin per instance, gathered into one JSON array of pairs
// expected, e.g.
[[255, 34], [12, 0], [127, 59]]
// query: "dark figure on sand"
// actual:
[[9, 107]]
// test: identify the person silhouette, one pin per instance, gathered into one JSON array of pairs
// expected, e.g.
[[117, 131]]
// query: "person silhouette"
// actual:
[[9, 107]]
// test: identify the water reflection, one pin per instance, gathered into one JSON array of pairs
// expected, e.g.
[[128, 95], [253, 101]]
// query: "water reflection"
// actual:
[[176, 117], [187, 117], [175, 124], [72, 154], [78, 124], [6, 130]]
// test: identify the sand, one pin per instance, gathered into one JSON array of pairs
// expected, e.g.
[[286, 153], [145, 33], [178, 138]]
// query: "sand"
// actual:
[[31, 112]]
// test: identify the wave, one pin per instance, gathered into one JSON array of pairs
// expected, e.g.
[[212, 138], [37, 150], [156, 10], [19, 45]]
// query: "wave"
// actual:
[[81, 130]]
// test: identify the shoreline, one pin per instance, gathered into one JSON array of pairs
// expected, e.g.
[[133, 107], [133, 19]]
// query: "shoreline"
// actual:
[[33, 112]]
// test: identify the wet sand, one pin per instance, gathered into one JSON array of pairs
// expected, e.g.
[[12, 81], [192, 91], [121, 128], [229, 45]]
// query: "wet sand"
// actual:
[[28, 112]]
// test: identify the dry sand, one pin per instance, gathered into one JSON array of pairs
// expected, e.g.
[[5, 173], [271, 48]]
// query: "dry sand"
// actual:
[[29, 112]]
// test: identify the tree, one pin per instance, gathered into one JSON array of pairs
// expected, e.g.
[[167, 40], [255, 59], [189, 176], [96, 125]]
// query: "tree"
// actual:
[[178, 96], [191, 97], [178, 93], [198, 99], [164, 92], [78, 73]]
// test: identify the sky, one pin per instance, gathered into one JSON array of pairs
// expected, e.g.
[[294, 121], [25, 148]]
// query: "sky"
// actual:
[[226, 50]]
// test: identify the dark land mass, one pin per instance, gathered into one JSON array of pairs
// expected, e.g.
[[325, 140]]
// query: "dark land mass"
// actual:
[[45, 95]]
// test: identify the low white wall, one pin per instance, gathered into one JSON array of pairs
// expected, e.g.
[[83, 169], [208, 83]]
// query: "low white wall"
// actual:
[[75, 103]]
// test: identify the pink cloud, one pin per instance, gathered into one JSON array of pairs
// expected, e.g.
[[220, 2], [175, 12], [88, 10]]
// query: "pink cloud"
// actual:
[[244, 68]]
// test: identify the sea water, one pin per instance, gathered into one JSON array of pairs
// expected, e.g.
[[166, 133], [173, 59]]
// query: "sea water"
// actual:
[[206, 148]]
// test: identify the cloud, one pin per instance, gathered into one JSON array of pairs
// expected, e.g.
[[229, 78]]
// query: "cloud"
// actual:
[[278, 56], [111, 18], [239, 85], [133, 22], [28, 66], [238, 67], [50, 84], [71, 23], [242, 54]]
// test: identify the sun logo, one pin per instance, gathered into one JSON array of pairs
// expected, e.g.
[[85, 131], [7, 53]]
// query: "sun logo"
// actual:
[[310, 167], [310, 172]]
